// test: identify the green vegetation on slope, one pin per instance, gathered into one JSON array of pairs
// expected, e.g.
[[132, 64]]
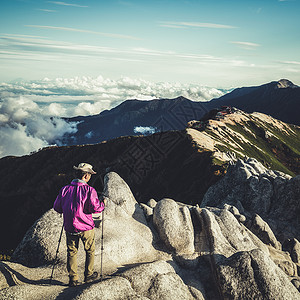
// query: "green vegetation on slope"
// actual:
[[273, 147]]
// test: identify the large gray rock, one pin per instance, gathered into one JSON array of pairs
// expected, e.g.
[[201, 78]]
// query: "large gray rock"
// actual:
[[40, 243], [284, 261], [295, 254], [114, 288], [223, 235], [158, 280], [122, 203], [31, 283], [294, 249], [169, 286], [174, 225], [253, 275], [261, 229], [253, 189], [127, 235], [141, 277]]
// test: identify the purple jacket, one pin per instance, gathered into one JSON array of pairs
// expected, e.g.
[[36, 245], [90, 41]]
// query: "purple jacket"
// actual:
[[77, 201]]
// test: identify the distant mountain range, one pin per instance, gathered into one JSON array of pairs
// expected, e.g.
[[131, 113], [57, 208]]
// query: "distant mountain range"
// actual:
[[158, 115], [280, 99]]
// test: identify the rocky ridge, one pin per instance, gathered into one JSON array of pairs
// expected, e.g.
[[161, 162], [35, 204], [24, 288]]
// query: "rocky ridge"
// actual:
[[239, 134], [170, 250], [253, 189]]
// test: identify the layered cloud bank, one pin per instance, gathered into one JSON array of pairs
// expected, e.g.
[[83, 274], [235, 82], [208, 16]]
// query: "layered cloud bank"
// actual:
[[31, 112], [25, 127]]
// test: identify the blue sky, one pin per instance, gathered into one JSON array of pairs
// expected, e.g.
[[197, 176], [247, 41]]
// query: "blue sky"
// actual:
[[80, 57], [213, 43]]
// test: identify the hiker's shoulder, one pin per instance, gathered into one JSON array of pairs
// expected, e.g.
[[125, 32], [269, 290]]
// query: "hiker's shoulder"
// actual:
[[68, 186], [92, 189]]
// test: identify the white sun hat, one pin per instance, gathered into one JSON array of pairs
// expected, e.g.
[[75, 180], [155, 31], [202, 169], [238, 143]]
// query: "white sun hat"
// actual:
[[85, 167]]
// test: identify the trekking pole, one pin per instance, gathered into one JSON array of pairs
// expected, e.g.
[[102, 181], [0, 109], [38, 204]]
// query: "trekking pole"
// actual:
[[102, 245], [102, 225], [57, 250]]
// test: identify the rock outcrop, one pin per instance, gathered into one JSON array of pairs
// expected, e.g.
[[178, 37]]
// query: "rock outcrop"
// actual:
[[174, 225], [293, 246], [178, 252], [224, 235], [253, 189], [261, 229], [39, 244], [253, 275]]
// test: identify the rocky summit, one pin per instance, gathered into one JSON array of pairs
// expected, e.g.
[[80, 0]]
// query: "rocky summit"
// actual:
[[229, 248]]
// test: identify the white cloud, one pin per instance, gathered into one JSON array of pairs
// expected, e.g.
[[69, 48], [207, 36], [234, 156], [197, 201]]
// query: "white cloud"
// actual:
[[83, 31], [246, 45], [23, 36], [24, 127], [30, 112], [67, 97], [144, 130], [295, 63], [195, 25], [46, 10], [66, 4], [42, 50], [172, 26], [89, 134], [16, 141]]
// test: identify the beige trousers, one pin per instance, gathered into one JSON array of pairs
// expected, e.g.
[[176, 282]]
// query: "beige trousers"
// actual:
[[88, 239]]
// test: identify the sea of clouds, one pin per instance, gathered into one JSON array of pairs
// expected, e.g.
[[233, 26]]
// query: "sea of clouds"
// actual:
[[32, 113]]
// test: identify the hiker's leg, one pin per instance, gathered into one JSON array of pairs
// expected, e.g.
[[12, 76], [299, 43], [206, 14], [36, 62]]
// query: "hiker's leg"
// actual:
[[88, 239], [72, 249]]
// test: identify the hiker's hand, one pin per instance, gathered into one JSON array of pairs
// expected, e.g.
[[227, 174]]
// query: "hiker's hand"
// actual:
[[105, 199]]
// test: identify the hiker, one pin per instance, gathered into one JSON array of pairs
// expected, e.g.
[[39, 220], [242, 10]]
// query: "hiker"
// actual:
[[77, 201]]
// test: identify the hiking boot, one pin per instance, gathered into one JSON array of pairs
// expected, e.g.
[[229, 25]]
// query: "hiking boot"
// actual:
[[91, 277], [73, 283]]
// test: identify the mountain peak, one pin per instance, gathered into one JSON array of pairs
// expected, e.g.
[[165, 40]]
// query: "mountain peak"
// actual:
[[285, 83]]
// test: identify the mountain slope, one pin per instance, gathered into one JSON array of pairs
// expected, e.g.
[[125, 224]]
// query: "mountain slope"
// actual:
[[280, 99], [159, 115], [238, 134]]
